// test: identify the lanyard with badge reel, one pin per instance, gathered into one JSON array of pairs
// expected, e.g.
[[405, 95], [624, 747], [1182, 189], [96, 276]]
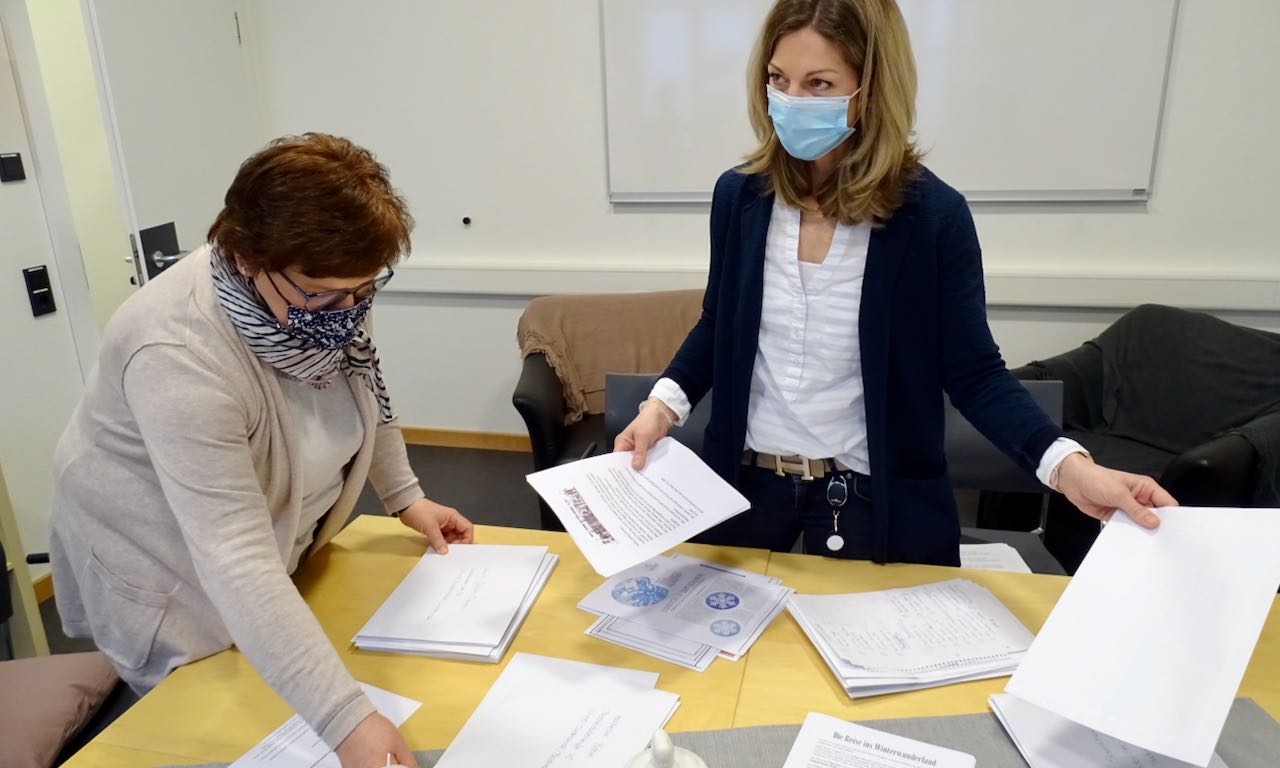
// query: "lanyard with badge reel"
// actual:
[[837, 497]]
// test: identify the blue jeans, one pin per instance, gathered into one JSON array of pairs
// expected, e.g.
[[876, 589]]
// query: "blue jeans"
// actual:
[[784, 507]]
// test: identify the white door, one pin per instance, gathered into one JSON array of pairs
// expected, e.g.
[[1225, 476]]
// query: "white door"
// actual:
[[41, 381], [181, 100]]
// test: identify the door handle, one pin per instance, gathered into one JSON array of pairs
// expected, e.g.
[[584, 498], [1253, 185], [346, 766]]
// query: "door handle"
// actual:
[[161, 261]]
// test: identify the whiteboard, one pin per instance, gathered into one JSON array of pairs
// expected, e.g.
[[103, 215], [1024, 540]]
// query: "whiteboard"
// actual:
[[1019, 99]]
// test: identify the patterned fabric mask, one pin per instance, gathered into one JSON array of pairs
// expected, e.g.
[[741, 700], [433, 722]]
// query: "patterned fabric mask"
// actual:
[[314, 347]]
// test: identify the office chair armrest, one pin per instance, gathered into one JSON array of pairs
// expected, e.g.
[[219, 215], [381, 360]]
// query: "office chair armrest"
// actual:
[[1221, 472], [539, 397]]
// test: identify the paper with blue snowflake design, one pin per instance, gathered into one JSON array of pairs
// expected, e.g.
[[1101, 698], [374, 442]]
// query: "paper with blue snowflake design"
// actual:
[[693, 600]]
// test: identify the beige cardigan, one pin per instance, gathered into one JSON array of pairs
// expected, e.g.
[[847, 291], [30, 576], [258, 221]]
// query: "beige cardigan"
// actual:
[[178, 496]]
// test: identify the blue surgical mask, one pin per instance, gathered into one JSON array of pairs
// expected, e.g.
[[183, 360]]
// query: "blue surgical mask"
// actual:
[[810, 126], [333, 329]]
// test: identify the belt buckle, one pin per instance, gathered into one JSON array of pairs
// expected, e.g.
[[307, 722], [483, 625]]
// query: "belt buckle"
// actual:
[[782, 466]]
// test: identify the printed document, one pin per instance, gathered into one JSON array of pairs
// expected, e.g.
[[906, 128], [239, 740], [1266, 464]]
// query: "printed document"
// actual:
[[828, 742], [992, 557], [553, 713], [295, 745], [619, 517], [1151, 638], [692, 599]]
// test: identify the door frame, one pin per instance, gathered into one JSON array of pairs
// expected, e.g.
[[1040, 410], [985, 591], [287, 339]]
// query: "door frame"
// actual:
[[123, 190], [47, 165]]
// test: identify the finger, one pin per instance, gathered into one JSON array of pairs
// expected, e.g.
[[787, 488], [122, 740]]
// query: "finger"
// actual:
[[624, 442], [1155, 495], [435, 537], [640, 456], [1138, 512]]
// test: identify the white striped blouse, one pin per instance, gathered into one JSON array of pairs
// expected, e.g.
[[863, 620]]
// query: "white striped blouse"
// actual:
[[806, 386]]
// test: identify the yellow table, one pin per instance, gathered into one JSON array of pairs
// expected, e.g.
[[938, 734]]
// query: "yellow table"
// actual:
[[216, 709]]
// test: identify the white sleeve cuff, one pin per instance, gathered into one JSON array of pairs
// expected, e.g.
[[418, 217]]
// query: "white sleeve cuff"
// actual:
[[673, 396], [1053, 456]]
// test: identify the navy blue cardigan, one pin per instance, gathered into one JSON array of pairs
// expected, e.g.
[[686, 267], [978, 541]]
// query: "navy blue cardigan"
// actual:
[[922, 329]]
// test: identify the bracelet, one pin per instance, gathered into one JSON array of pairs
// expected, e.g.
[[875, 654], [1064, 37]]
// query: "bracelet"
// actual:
[[663, 409]]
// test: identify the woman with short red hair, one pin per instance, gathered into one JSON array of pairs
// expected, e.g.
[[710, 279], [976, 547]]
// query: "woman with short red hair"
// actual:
[[236, 410]]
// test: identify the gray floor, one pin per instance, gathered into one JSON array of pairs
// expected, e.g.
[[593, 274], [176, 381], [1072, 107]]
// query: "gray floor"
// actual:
[[486, 486]]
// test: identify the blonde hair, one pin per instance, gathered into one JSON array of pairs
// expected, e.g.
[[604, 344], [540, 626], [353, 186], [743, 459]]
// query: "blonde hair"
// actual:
[[870, 181]]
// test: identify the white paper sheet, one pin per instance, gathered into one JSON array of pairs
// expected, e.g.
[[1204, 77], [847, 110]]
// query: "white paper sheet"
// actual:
[[692, 599], [1048, 741], [1151, 638], [619, 517], [543, 713], [915, 629], [468, 596], [295, 745], [828, 742], [466, 651], [672, 648], [992, 557]]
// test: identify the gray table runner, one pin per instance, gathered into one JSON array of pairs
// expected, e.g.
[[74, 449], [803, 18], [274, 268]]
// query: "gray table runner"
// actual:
[[1251, 739]]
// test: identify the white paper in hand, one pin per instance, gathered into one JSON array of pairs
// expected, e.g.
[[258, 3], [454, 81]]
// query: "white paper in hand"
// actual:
[[619, 517], [1151, 638]]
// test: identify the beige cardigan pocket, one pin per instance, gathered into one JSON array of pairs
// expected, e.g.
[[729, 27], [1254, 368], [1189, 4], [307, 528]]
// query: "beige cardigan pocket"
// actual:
[[124, 618]]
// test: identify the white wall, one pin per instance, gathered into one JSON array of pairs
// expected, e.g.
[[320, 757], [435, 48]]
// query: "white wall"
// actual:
[[494, 109], [42, 381]]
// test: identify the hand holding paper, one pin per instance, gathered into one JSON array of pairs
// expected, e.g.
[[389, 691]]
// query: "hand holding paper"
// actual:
[[619, 517]]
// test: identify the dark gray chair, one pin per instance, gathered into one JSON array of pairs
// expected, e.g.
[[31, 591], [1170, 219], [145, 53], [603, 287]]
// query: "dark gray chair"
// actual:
[[623, 394], [975, 463]]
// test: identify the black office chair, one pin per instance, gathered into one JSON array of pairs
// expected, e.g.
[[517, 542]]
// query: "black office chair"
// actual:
[[975, 463], [623, 394]]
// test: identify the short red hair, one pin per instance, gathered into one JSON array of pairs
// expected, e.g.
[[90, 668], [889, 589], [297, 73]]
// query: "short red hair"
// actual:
[[316, 203]]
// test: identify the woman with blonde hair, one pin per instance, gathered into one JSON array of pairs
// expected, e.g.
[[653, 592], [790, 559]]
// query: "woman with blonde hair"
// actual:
[[845, 297]]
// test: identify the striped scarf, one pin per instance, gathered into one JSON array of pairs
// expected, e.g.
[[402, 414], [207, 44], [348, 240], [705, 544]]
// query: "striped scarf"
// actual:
[[288, 354]]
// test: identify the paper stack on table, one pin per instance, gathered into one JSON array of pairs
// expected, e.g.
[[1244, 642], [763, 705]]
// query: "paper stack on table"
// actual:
[[619, 517], [911, 638], [543, 712], [465, 605], [296, 745], [1150, 640], [685, 610]]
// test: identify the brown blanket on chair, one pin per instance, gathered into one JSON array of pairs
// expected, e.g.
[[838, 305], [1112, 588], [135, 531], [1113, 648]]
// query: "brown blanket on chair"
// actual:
[[585, 336]]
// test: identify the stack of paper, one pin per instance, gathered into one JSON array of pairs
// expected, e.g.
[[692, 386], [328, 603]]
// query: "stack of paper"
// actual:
[[466, 605], [1149, 642], [917, 637], [544, 712], [685, 610], [296, 745], [619, 517]]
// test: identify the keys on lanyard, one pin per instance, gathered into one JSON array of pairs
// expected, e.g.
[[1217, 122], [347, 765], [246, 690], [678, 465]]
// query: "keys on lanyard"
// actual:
[[837, 497]]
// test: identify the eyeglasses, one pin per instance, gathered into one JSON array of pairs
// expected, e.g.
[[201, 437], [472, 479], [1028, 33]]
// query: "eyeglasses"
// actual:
[[328, 301]]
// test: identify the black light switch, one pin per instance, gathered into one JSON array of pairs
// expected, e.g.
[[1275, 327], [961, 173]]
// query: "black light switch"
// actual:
[[11, 167], [39, 290]]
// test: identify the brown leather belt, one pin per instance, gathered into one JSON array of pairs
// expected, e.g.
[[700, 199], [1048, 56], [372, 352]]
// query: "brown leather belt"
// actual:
[[808, 469]]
